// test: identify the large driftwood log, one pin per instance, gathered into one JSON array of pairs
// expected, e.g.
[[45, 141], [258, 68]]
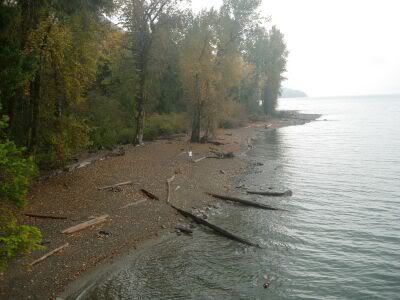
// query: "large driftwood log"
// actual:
[[243, 201], [85, 225], [114, 185], [41, 216], [271, 193], [216, 228], [49, 254]]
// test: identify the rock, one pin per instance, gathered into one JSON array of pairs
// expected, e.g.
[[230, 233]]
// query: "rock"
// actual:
[[104, 233], [184, 228], [116, 189]]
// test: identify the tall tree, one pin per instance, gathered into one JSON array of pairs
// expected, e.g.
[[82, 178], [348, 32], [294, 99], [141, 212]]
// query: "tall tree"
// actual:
[[275, 67], [141, 18]]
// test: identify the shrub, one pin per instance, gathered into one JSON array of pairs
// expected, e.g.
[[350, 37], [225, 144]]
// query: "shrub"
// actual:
[[68, 137], [125, 136], [16, 240], [16, 173], [165, 125]]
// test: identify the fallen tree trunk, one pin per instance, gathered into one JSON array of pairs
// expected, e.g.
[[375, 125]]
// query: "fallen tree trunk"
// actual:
[[114, 185], [271, 193], [48, 254], [217, 229], [243, 201], [85, 225], [40, 216], [150, 195], [169, 181]]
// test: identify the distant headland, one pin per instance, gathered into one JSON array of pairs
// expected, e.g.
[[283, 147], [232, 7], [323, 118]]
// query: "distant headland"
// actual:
[[290, 93]]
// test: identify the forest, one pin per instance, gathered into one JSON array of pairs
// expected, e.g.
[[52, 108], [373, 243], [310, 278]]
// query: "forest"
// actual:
[[84, 75]]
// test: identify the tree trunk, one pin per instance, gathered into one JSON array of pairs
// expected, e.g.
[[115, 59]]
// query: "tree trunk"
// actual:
[[196, 123], [11, 111], [35, 87], [34, 113], [138, 140]]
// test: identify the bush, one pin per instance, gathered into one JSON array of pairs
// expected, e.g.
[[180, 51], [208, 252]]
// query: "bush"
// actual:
[[58, 145], [165, 125], [16, 240], [125, 136], [16, 173]]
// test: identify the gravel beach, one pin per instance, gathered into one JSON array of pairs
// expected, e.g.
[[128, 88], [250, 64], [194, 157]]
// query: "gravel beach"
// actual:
[[133, 217]]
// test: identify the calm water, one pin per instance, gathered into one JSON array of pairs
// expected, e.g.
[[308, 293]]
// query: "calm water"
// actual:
[[340, 238]]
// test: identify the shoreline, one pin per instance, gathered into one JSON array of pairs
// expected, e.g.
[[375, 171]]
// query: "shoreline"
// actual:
[[134, 219]]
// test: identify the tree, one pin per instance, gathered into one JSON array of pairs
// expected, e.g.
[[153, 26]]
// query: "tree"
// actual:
[[56, 44], [141, 18], [196, 64], [276, 65]]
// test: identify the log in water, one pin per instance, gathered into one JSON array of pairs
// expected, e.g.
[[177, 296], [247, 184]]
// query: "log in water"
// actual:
[[271, 193], [243, 201], [216, 228]]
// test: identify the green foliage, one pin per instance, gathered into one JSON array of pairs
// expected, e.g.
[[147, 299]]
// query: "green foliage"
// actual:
[[234, 115], [165, 125], [111, 100], [15, 173], [16, 240], [58, 146]]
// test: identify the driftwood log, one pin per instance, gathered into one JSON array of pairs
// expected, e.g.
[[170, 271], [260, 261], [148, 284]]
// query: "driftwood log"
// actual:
[[199, 159], [49, 254], [150, 195], [169, 181], [133, 203], [271, 193], [216, 228], [41, 216], [243, 201], [85, 225], [108, 187], [222, 155]]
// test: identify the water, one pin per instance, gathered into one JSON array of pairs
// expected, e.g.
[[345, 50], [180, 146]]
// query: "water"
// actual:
[[340, 238]]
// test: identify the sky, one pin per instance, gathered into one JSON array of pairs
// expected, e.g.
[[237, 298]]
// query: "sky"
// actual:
[[337, 47]]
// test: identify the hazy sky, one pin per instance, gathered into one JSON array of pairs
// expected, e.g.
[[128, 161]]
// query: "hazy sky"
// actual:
[[338, 47]]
